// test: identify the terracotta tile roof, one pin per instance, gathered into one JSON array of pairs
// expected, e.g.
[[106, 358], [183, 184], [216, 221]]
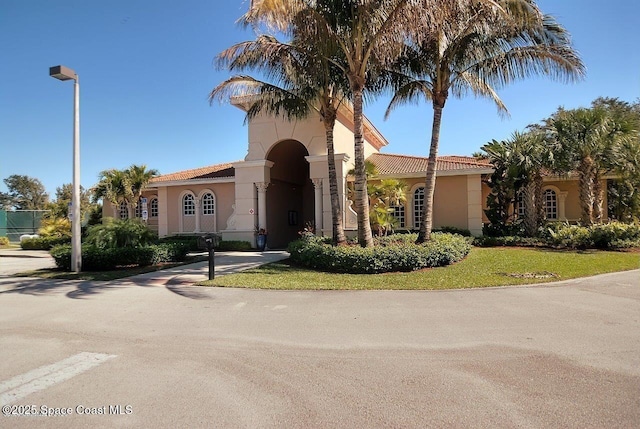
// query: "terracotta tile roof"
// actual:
[[389, 164], [210, 172]]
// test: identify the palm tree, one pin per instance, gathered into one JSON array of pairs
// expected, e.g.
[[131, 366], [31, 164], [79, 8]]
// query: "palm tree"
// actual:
[[477, 48], [368, 34], [139, 178], [530, 155], [115, 187], [589, 141], [384, 196], [306, 82], [123, 186]]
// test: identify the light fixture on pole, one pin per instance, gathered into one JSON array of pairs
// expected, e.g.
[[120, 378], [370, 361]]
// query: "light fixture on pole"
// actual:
[[65, 73]]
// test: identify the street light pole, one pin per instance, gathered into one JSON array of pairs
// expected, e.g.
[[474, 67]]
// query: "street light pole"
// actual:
[[64, 73]]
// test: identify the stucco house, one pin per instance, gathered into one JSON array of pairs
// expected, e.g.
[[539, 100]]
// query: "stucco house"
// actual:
[[282, 183]]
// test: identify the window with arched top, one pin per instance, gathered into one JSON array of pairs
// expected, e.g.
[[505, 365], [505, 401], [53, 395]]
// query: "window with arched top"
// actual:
[[418, 206], [550, 199], [398, 214], [138, 211], [188, 205], [208, 204], [123, 210], [154, 208], [520, 205]]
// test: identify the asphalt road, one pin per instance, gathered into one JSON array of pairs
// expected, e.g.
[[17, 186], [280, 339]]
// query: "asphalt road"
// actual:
[[561, 355]]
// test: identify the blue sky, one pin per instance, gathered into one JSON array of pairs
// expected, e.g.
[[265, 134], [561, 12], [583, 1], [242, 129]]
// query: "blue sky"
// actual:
[[145, 70]]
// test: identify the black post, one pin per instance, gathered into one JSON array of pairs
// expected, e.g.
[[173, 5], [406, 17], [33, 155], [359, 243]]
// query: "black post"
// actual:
[[212, 263]]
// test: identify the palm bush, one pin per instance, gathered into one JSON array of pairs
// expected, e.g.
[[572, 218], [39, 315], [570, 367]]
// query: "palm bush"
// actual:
[[118, 233]]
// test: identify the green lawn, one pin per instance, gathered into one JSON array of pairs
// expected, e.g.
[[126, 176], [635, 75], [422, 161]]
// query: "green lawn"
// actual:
[[483, 267]]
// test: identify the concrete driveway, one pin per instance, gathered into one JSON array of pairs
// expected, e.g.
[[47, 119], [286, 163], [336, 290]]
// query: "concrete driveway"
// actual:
[[148, 355], [13, 261]]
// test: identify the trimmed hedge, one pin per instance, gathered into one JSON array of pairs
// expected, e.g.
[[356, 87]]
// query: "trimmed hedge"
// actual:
[[97, 259], [393, 253], [43, 243], [234, 245], [609, 236], [194, 245]]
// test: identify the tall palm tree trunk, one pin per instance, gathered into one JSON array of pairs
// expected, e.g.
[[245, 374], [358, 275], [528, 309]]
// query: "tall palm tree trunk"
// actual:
[[598, 197], [337, 229], [586, 191], [530, 212], [365, 237], [539, 198], [430, 181]]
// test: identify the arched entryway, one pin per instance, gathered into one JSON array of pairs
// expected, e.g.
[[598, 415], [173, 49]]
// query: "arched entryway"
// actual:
[[290, 196]]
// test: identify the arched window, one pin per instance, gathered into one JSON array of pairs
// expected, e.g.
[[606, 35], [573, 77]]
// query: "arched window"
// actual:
[[418, 206], [138, 212], [154, 208], [123, 210], [188, 205], [520, 205], [550, 204], [398, 214], [208, 204]]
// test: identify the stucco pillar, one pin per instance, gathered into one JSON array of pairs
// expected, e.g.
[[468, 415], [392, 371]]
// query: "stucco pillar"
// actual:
[[197, 214], [474, 204], [163, 212], [262, 204], [562, 198], [317, 189]]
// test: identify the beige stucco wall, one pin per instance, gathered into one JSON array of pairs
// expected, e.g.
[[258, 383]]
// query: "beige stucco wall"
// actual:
[[224, 200], [450, 205], [567, 193]]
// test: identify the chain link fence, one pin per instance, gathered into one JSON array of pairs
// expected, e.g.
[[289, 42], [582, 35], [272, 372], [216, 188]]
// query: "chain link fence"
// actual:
[[15, 223]]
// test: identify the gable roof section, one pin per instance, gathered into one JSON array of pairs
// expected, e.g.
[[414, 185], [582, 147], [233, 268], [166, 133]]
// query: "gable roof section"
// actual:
[[217, 171], [404, 165]]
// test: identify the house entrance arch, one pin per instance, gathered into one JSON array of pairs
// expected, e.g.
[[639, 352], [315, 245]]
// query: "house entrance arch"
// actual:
[[290, 197]]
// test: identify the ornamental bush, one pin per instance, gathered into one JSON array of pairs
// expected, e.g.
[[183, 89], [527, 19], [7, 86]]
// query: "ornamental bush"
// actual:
[[102, 259], [117, 233], [4, 241], [43, 243], [397, 252]]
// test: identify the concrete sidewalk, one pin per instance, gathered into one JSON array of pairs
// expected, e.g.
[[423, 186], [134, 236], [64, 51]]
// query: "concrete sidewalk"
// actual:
[[225, 263], [16, 260]]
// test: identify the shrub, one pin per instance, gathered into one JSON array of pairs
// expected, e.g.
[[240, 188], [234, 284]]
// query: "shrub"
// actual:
[[234, 245], [392, 253], [101, 259], [55, 227], [43, 243], [4, 241], [117, 233], [454, 230], [190, 240], [615, 235]]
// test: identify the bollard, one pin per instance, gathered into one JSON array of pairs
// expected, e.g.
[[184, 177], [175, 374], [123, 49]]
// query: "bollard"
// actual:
[[209, 242]]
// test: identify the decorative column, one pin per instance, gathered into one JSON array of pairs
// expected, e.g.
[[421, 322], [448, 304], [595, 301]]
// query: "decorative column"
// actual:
[[262, 204], [317, 189], [197, 214], [562, 198]]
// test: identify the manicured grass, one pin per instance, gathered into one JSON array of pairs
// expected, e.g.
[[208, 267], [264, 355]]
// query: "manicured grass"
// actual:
[[106, 275], [483, 267]]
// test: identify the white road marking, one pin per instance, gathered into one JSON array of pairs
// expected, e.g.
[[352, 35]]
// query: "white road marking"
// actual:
[[279, 307], [30, 382], [240, 304]]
